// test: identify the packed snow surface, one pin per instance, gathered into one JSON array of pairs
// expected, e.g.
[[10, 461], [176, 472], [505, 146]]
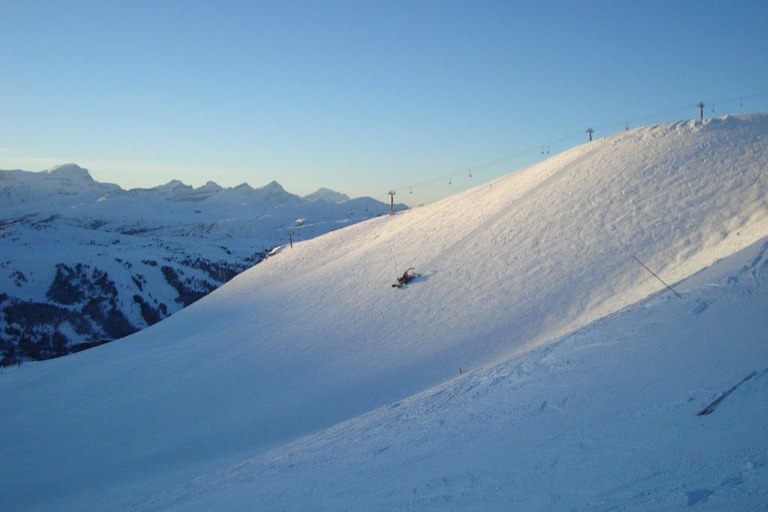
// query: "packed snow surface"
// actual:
[[520, 369]]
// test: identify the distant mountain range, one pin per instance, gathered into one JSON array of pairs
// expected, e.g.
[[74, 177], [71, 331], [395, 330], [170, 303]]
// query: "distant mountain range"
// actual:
[[84, 262]]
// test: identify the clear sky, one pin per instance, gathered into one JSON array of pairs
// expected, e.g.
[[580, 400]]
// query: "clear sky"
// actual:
[[357, 96]]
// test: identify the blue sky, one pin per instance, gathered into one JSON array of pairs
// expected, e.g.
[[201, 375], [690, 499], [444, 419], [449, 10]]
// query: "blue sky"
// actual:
[[356, 96]]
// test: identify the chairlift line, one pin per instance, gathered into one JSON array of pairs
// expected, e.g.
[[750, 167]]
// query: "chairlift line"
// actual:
[[545, 149]]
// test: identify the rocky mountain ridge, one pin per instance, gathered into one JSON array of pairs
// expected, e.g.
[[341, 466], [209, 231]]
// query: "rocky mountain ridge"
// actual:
[[85, 262]]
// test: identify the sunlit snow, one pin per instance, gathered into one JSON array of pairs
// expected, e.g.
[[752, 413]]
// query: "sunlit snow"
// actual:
[[534, 364]]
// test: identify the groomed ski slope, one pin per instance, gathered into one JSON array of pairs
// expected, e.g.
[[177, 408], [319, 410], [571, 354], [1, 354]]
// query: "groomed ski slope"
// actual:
[[604, 419], [315, 336]]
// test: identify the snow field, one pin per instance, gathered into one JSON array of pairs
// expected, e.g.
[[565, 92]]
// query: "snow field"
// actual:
[[315, 336], [603, 419]]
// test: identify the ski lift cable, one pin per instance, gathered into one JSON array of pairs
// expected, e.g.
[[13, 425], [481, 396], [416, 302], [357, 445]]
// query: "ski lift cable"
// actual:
[[490, 163], [686, 108], [536, 149]]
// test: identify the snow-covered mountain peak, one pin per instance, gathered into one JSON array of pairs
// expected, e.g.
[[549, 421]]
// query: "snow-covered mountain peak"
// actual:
[[174, 186], [273, 185], [274, 193], [174, 190], [71, 172], [210, 186], [327, 195]]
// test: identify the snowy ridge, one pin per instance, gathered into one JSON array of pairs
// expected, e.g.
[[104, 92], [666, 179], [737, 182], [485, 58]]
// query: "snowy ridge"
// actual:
[[315, 337]]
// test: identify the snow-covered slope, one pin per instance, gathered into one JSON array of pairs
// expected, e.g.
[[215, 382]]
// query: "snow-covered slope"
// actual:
[[604, 419], [82, 262], [315, 337]]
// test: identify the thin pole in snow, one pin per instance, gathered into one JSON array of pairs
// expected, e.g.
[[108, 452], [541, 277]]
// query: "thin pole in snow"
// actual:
[[701, 110], [590, 131], [391, 202]]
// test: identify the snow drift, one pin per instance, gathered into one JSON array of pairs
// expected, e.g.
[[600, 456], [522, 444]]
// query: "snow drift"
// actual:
[[316, 335]]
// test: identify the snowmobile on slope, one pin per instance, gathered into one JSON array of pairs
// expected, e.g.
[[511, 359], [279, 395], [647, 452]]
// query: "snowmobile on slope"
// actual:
[[408, 276]]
